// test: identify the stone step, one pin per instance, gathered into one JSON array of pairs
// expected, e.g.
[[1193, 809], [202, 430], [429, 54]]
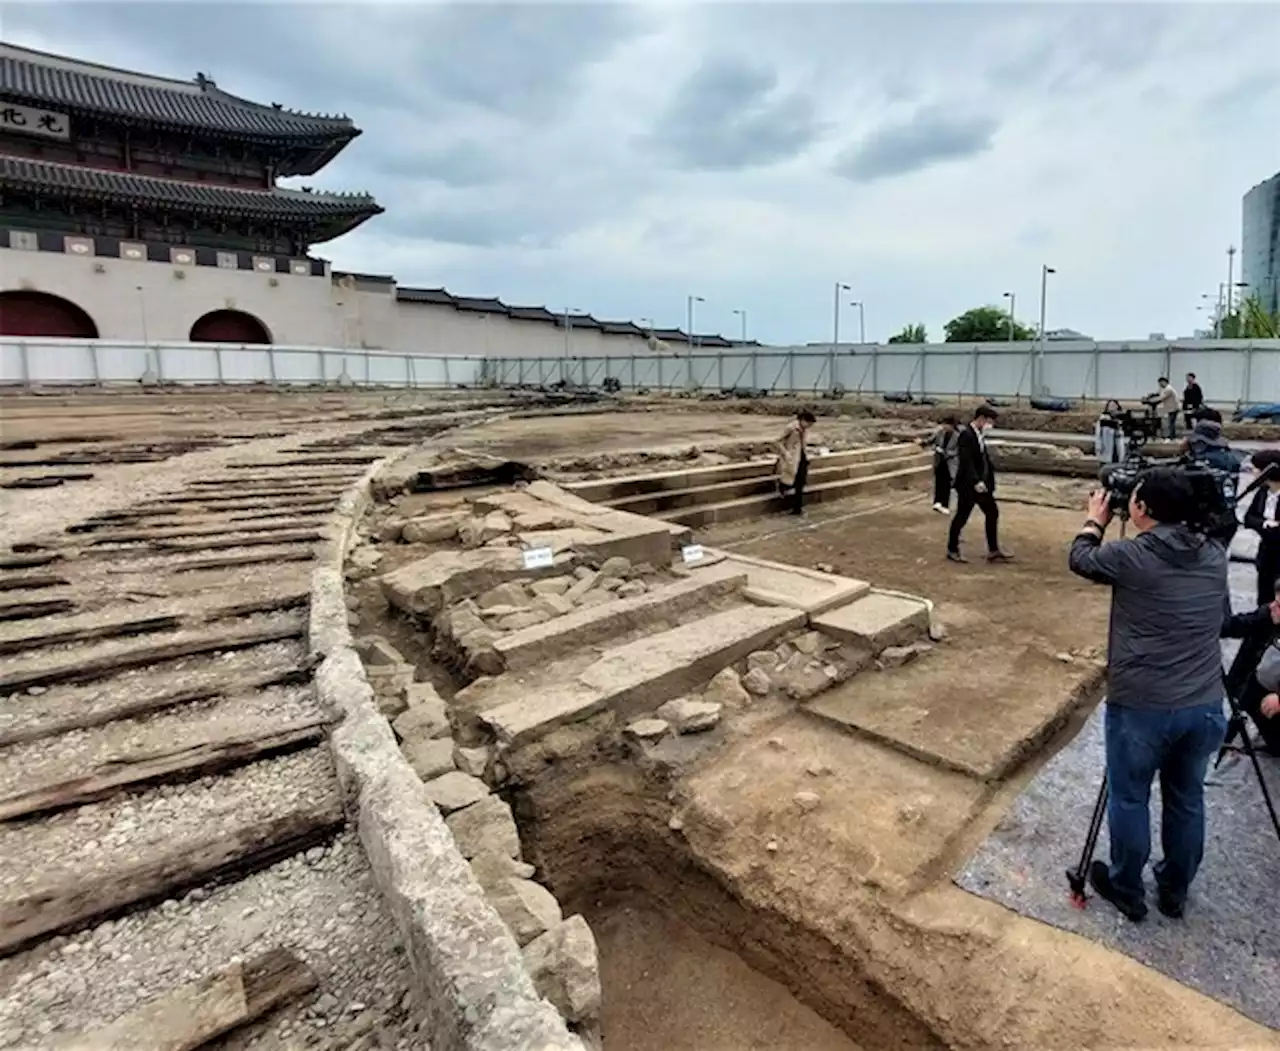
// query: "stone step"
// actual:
[[821, 472], [607, 490], [542, 643], [750, 506], [779, 584], [876, 620], [637, 676]]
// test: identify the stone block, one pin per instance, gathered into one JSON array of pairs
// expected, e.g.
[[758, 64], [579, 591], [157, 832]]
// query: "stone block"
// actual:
[[491, 868], [427, 585], [429, 758], [432, 529], [551, 586], [375, 650], [527, 908], [511, 594], [778, 584], [555, 605], [690, 717], [756, 681], [877, 620], [632, 588], [616, 566], [454, 790], [526, 618], [473, 761], [486, 827], [648, 729], [425, 718], [725, 688], [586, 581], [565, 969]]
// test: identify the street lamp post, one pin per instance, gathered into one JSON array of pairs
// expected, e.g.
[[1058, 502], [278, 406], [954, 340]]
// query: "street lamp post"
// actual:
[[835, 328], [742, 316], [862, 320], [1231, 276], [1045, 271], [1013, 315], [689, 305]]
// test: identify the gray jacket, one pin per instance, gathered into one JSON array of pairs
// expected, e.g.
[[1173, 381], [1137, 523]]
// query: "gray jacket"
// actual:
[[1168, 600], [945, 446]]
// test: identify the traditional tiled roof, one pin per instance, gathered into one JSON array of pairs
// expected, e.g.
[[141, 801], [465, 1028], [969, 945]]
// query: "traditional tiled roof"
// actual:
[[20, 173], [54, 82], [443, 297]]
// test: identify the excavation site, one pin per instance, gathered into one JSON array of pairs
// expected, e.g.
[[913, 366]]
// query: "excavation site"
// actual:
[[530, 721]]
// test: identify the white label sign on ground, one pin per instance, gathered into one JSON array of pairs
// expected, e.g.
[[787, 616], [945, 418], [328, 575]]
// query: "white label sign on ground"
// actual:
[[537, 557], [823, 451], [691, 553]]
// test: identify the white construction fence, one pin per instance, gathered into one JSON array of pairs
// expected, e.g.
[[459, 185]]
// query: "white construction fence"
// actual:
[[1236, 372]]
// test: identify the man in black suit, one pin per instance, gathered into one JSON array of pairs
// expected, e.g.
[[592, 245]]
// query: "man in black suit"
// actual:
[[1192, 400], [1263, 517], [975, 486]]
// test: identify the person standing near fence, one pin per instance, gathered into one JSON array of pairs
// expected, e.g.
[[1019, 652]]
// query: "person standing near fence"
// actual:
[[1192, 401], [793, 462], [945, 457], [1109, 442], [976, 486]]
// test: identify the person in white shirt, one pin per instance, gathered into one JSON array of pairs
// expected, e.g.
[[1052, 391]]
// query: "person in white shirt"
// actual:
[[1167, 406]]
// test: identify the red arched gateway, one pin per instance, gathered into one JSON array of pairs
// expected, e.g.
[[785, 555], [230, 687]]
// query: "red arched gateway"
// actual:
[[24, 313], [229, 326]]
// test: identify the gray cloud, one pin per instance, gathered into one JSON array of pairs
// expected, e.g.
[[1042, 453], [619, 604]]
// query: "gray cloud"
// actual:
[[730, 114], [932, 135], [519, 59]]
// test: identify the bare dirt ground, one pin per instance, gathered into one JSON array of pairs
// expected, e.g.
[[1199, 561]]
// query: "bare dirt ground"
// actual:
[[651, 963]]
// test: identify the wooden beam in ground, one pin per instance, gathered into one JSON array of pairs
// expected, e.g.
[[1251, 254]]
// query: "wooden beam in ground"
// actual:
[[192, 1015], [301, 537], [28, 561], [85, 899], [86, 669], [160, 767], [34, 582], [205, 529], [35, 608], [195, 565], [147, 702], [112, 630]]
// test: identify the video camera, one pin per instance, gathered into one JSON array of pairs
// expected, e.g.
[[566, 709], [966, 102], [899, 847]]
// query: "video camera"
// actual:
[[1214, 512], [1139, 426]]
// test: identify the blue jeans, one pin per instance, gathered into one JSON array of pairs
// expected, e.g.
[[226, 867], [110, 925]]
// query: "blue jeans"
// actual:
[[1177, 745]]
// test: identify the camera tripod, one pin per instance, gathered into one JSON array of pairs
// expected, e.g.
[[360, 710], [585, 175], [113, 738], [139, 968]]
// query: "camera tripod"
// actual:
[[1237, 725]]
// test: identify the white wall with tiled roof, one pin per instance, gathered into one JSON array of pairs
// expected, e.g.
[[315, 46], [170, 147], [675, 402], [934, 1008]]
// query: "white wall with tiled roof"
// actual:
[[153, 301]]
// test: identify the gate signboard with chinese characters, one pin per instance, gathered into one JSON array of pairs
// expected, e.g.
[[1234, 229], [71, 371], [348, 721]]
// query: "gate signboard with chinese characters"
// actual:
[[27, 121]]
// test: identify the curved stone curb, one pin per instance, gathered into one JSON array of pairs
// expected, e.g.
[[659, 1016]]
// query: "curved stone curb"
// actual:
[[469, 972]]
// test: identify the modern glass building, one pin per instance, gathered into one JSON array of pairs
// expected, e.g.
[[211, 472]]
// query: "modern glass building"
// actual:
[[1260, 244]]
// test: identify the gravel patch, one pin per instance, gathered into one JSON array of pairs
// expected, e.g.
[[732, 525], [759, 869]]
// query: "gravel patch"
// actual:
[[80, 751], [25, 710], [321, 905], [99, 837]]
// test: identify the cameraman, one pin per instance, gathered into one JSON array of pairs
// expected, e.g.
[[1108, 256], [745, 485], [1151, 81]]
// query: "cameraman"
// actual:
[[1164, 683]]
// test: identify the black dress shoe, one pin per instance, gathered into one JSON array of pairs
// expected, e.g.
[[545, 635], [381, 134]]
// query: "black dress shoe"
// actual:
[[1100, 879], [1169, 905]]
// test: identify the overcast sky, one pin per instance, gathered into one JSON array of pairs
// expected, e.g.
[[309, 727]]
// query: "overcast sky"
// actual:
[[616, 159]]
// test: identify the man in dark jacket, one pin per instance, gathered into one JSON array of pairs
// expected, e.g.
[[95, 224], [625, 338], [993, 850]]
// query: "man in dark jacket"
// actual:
[[1164, 683], [975, 485], [1263, 517], [1192, 400]]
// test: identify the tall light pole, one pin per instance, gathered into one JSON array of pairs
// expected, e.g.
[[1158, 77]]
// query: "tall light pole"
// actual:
[[689, 305], [1013, 316], [1231, 276], [1045, 271], [835, 328], [742, 316], [568, 328], [862, 320]]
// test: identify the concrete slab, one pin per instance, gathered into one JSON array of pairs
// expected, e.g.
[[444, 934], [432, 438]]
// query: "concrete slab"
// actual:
[[637, 676], [876, 620], [588, 627], [778, 584], [961, 713]]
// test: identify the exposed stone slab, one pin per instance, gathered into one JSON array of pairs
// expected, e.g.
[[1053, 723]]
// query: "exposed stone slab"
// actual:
[[454, 790], [876, 620], [429, 758], [587, 627], [528, 908], [566, 969], [637, 676], [778, 584], [906, 709], [427, 585], [486, 827]]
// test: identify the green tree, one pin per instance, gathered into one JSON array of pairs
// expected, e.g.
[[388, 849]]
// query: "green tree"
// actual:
[[911, 334], [1251, 320], [984, 325]]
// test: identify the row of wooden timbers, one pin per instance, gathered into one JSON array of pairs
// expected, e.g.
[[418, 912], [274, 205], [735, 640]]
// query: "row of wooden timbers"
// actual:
[[134, 597]]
